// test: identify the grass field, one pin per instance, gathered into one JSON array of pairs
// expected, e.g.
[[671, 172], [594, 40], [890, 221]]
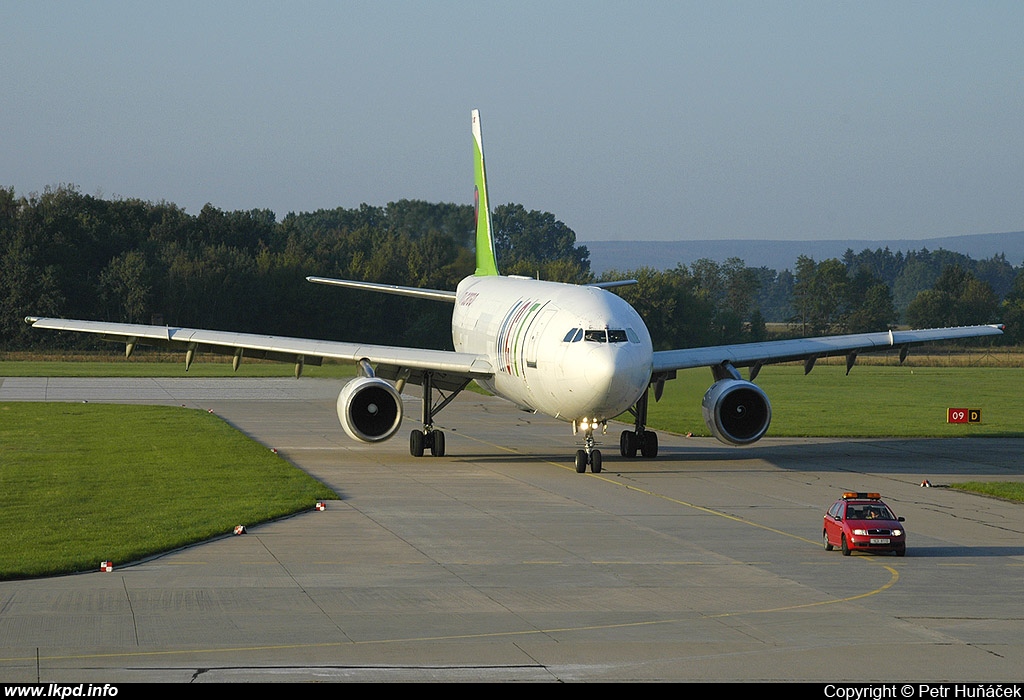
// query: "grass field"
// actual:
[[83, 483], [873, 401]]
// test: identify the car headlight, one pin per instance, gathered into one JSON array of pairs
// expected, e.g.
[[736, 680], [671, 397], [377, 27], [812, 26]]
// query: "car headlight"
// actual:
[[897, 533], [860, 532]]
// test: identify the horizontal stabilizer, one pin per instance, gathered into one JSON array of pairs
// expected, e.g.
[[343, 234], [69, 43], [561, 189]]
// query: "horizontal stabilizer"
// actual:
[[613, 284], [419, 292]]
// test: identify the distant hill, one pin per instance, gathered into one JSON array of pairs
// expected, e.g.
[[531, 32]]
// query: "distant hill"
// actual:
[[782, 255]]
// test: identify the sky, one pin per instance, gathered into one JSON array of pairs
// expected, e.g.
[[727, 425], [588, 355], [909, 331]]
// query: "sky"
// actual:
[[628, 121]]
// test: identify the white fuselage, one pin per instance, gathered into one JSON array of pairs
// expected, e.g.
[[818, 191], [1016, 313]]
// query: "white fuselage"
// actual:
[[568, 351]]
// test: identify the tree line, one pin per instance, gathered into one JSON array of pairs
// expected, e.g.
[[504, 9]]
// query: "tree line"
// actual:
[[71, 255]]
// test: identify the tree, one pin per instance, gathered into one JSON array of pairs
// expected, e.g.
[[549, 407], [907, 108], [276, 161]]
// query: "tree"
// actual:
[[875, 311], [124, 288], [819, 294], [958, 298], [869, 304], [530, 243], [775, 293], [676, 314], [730, 288], [829, 297], [25, 289], [880, 263], [417, 219], [1012, 310]]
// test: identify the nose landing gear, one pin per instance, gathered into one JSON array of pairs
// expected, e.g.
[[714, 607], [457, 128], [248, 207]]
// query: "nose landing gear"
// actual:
[[588, 456]]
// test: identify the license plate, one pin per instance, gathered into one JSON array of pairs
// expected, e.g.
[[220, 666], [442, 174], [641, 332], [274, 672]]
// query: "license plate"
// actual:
[[879, 540]]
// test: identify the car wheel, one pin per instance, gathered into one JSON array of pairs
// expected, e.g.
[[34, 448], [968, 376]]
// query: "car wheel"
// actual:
[[900, 551], [845, 547], [828, 545]]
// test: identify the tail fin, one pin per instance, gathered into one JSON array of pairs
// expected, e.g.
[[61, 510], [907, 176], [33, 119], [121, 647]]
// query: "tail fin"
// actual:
[[486, 262]]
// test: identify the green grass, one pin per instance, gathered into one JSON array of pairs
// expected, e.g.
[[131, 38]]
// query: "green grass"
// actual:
[[873, 401], [84, 483], [1007, 490]]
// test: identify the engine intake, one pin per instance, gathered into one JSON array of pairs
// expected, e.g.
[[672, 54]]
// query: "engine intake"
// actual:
[[370, 409], [736, 411]]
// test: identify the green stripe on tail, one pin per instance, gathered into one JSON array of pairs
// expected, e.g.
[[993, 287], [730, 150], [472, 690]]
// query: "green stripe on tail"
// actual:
[[486, 262]]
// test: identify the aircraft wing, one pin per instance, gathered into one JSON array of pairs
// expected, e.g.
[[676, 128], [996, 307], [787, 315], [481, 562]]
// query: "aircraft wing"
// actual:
[[300, 351], [809, 349]]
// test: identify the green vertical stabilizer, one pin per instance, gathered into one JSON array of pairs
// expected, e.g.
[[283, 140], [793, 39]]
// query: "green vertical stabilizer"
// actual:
[[486, 262]]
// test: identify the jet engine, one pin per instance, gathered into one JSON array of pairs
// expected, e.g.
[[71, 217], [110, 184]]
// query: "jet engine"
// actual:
[[736, 411], [370, 409]]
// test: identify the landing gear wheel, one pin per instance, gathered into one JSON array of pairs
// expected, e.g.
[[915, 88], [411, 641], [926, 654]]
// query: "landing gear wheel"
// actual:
[[428, 438], [416, 443], [627, 444], [581, 461], [640, 439], [649, 446], [824, 537], [845, 547], [595, 461], [437, 443]]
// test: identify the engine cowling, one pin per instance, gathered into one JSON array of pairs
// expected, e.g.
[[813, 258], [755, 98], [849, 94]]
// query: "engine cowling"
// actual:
[[370, 409], [736, 411]]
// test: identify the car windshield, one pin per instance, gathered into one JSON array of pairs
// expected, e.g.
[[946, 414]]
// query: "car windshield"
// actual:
[[868, 512]]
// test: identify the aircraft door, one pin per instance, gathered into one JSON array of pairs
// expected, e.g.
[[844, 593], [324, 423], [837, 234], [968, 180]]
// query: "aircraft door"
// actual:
[[536, 329]]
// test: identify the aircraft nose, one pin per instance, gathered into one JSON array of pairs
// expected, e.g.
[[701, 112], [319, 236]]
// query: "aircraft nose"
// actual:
[[614, 376], [599, 368]]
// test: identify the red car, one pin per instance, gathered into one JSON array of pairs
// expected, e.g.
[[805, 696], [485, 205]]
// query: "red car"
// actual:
[[861, 521]]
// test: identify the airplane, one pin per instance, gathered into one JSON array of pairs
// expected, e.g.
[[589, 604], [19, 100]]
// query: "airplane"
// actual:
[[579, 353]]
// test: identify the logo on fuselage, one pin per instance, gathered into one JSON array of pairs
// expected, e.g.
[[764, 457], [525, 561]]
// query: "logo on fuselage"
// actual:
[[512, 335]]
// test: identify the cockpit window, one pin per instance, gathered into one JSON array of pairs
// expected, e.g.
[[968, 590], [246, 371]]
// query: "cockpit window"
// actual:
[[600, 335]]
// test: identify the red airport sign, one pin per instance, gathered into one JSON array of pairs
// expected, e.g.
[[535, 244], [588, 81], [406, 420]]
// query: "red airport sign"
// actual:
[[963, 415]]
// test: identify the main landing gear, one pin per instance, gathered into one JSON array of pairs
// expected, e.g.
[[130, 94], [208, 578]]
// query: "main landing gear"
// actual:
[[429, 438], [639, 439], [420, 440]]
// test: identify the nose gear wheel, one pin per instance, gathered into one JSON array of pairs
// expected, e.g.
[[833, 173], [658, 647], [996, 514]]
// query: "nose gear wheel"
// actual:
[[588, 456]]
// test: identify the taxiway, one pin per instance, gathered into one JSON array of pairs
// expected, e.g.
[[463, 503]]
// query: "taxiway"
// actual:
[[500, 563]]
